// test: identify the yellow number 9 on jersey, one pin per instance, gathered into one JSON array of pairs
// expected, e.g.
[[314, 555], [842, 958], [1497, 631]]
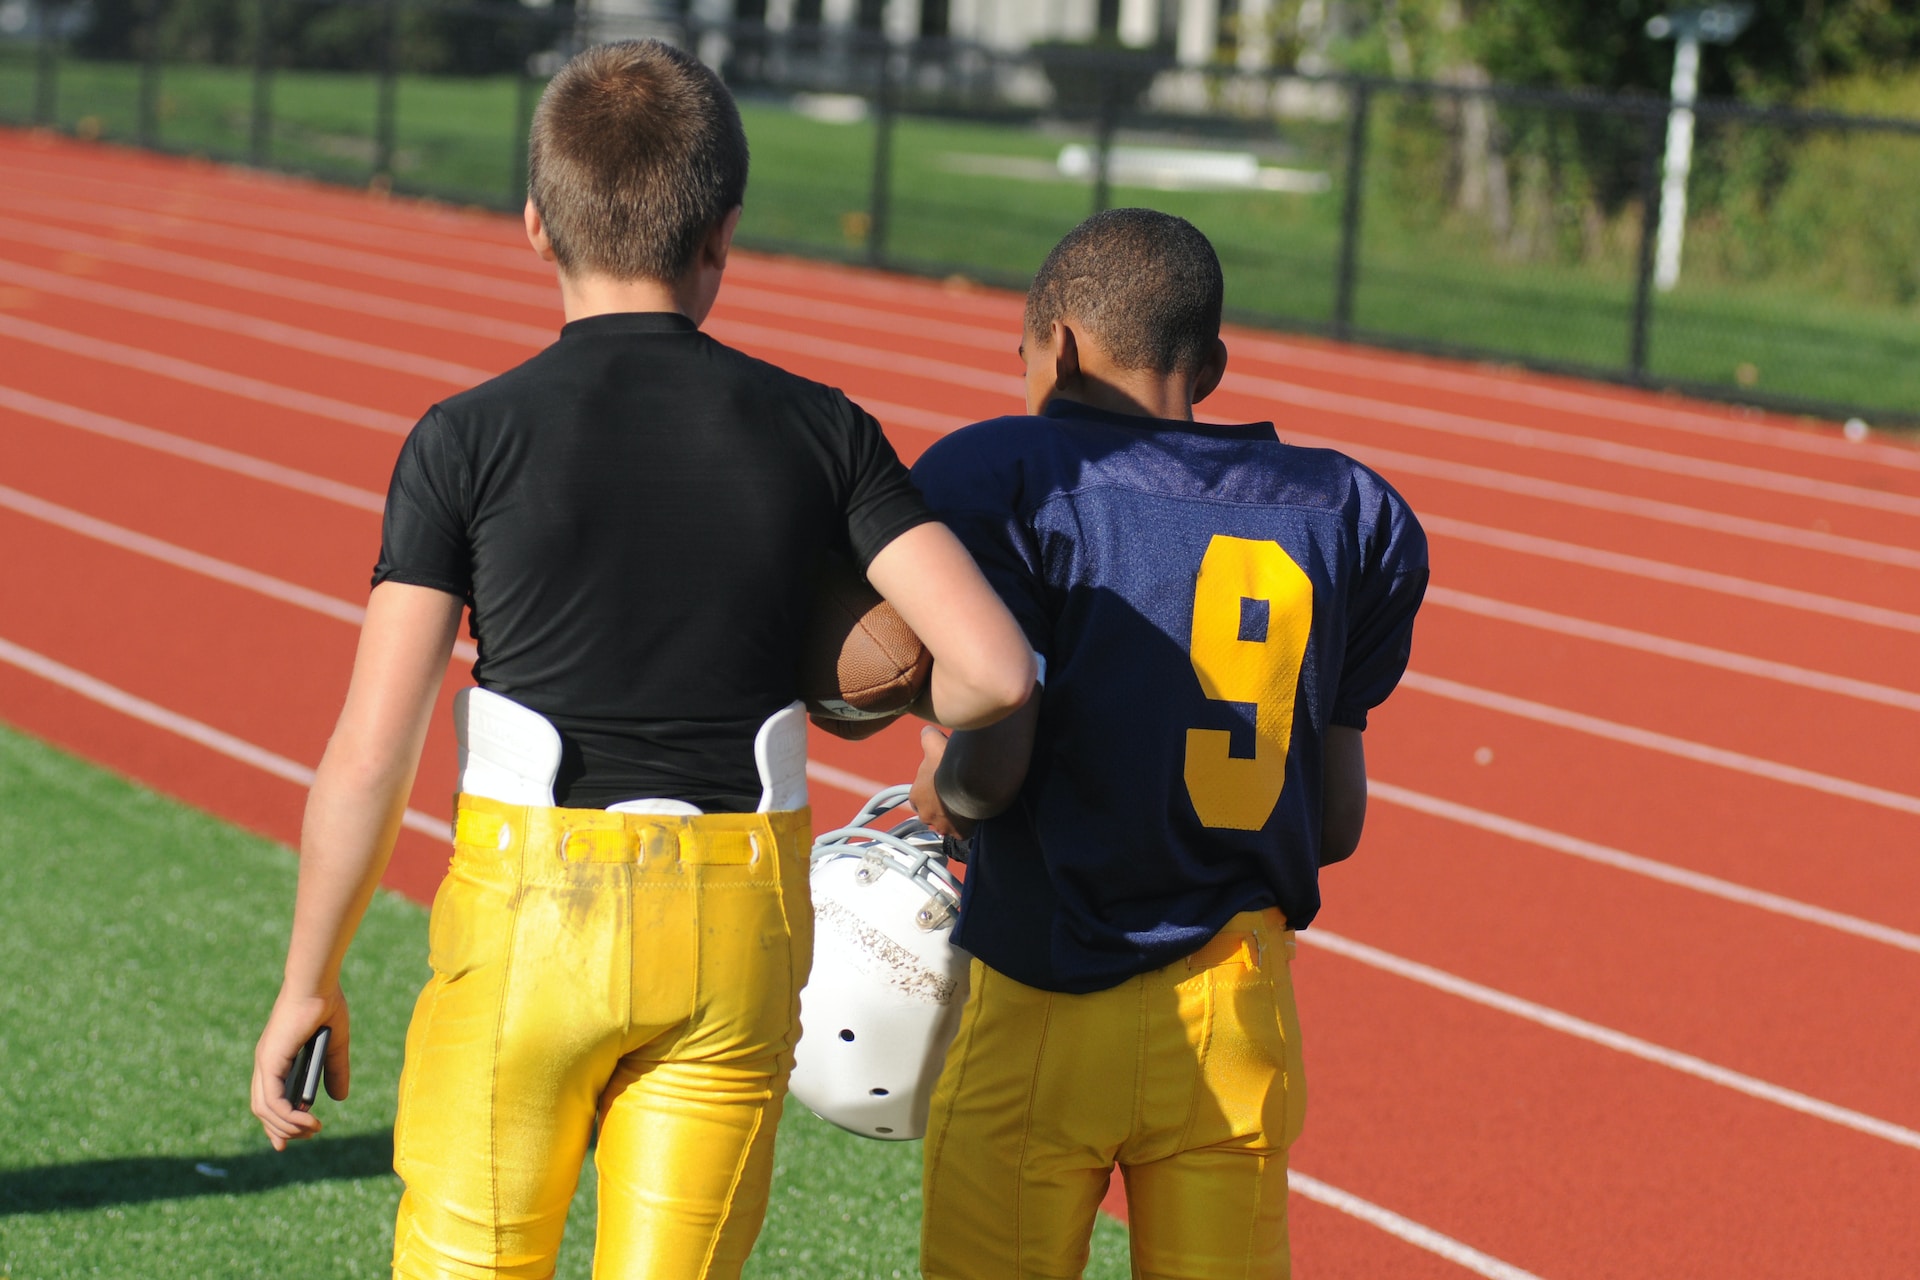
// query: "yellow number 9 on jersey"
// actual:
[[1252, 613]]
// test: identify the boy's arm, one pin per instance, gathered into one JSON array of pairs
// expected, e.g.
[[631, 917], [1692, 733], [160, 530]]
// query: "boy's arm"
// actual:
[[975, 774], [983, 667], [353, 814], [1344, 800]]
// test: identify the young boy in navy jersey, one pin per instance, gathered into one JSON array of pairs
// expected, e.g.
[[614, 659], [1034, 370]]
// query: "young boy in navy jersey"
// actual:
[[1217, 612], [634, 517]]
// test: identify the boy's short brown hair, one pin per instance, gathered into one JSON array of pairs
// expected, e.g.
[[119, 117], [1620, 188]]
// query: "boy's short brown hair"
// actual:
[[1146, 284], [636, 154]]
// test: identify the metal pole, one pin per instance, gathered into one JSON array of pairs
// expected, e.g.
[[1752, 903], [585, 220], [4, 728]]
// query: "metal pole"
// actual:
[[1673, 187], [1103, 139], [879, 205], [46, 68], [150, 75], [1359, 108], [383, 122], [1638, 341], [260, 119], [522, 112]]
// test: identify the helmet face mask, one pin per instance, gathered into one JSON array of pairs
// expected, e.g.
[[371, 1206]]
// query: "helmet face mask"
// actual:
[[884, 997]]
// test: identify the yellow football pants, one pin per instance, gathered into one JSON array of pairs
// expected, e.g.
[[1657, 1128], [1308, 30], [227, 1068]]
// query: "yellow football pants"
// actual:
[[641, 970], [1188, 1077]]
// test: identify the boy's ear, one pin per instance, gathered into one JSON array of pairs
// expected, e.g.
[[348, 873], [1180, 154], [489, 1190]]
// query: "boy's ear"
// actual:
[[719, 241], [1066, 353], [537, 232], [1206, 379]]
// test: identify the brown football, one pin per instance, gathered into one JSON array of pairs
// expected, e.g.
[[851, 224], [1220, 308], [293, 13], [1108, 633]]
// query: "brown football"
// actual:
[[861, 661]]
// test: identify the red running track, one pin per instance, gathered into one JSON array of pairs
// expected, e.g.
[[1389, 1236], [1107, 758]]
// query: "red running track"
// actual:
[[1623, 981]]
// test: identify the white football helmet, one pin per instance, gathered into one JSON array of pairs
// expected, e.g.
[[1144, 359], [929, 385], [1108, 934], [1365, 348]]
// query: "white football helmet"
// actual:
[[884, 998]]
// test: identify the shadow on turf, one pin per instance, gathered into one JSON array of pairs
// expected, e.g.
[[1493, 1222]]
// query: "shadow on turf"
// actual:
[[95, 1184]]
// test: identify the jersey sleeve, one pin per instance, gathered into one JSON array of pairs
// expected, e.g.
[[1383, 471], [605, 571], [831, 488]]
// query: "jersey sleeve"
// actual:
[[979, 503], [424, 539], [881, 501], [1381, 603]]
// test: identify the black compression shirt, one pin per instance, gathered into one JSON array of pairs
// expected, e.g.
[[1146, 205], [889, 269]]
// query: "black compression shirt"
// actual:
[[634, 517]]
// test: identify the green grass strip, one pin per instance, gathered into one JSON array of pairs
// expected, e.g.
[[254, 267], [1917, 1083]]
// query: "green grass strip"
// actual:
[[140, 946]]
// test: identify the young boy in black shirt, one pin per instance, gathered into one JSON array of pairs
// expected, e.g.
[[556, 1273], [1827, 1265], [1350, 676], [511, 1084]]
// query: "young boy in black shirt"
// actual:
[[633, 517]]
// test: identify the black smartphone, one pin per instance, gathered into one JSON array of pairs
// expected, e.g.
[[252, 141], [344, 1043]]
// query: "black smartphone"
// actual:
[[303, 1079]]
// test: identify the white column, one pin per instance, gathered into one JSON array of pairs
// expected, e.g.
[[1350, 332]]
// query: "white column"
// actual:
[[1679, 160], [1079, 20], [780, 14], [1199, 35], [1256, 35], [1139, 22], [838, 13], [901, 20]]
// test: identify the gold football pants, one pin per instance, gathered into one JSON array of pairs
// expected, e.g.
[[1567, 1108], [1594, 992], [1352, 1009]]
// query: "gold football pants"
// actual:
[[640, 970], [1188, 1077]]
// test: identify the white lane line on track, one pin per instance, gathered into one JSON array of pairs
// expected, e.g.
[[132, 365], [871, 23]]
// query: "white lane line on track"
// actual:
[[1405, 1229], [200, 375], [1357, 362], [216, 740], [1662, 571], [1588, 447], [208, 455], [250, 280], [1679, 650], [1666, 744], [197, 562], [1664, 872], [345, 611], [1607, 1037], [1573, 495], [215, 318], [268, 245]]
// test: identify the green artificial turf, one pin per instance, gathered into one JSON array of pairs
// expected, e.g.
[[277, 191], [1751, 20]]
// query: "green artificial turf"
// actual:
[[1422, 275], [140, 945]]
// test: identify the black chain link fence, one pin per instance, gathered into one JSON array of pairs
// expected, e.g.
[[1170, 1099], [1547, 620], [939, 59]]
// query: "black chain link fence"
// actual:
[[1482, 221]]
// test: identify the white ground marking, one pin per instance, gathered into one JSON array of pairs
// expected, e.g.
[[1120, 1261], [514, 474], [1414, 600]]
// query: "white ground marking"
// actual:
[[841, 779], [866, 358], [1607, 1037], [1681, 650], [1662, 571], [192, 450], [1590, 447], [1619, 860], [216, 740], [250, 280], [1574, 495], [285, 335], [1666, 744], [200, 375], [1406, 1229], [196, 562]]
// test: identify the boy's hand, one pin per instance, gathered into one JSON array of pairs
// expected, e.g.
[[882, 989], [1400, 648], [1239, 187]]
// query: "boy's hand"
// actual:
[[925, 797], [293, 1021], [851, 730]]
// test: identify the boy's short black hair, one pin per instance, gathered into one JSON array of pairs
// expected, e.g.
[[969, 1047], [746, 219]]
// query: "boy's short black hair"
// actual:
[[636, 153], [1146, 284]]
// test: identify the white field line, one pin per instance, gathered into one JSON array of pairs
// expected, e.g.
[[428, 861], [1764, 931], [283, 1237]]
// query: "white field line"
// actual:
[[1666, 744], [191, 450], [1573, 495], [216, 740], [1680, 650], [1274, 351], [1357, 363], [1619, 1041], [1548, 490], [345, 611], [1633, 864], [1405, 1229], [200, 375], [271, 284], [873, 358], [1661, 571], [197, 562], [268, 245], [215, 318], [1599, 450]]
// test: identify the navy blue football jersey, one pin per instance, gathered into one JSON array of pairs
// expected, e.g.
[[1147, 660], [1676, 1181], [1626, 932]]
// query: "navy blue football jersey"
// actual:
[[1208, 600]]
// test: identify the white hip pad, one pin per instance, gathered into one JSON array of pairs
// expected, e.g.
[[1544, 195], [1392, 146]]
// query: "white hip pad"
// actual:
[[780, 753], [508, 752]]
